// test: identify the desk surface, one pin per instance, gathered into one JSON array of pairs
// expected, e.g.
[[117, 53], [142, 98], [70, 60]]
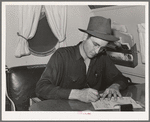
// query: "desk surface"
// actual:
[[137, 92]]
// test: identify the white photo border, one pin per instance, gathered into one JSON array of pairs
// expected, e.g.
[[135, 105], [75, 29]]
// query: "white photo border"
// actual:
[[87, 115]]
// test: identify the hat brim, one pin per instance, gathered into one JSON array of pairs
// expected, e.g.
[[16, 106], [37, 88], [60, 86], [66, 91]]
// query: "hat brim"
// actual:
[[105, 37]]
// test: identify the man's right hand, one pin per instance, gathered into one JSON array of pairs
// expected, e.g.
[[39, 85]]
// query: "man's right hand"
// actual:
[[85, 95]]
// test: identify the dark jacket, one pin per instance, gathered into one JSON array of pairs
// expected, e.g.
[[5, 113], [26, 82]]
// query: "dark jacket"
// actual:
[[66, 70]]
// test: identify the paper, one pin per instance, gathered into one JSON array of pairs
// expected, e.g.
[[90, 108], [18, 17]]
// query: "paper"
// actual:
[[120, 56], [119, 27], [141, 32], [124, 37], [112, 104]]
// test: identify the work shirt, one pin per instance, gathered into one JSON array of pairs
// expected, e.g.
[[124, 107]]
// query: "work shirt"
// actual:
[[66, 70]]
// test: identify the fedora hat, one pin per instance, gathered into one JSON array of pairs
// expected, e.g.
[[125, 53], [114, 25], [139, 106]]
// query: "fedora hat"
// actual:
[[100, 27]]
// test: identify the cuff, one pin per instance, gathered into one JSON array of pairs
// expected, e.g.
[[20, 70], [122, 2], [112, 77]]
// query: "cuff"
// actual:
[[122, 81], [64, 93]]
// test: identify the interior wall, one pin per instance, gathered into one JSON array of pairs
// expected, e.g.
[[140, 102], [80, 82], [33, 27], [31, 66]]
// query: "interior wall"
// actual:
[[130, 16], [78, 17]]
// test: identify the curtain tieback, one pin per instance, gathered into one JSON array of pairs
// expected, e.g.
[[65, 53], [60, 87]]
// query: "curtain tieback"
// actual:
[[62, 40], [21, 36]]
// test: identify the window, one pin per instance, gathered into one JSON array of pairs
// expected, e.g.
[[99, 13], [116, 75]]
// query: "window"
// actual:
[[44, 41]]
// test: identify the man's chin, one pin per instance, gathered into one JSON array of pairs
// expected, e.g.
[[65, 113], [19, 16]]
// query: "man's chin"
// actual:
[[91, 56]]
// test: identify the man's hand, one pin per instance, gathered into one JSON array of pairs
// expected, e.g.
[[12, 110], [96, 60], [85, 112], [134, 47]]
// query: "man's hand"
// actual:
[[88, 95], [85, 95], [113, 90]]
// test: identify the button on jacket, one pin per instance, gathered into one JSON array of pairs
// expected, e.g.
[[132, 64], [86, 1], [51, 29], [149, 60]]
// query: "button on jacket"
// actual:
[[66, 70]]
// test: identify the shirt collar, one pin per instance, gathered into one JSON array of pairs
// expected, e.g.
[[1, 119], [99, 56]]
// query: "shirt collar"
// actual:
[[77, 50]]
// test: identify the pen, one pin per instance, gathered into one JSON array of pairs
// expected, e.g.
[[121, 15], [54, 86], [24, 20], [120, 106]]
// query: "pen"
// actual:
[[98, 92]]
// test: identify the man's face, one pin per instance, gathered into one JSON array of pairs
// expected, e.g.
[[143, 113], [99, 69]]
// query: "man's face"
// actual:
[[92, 46]]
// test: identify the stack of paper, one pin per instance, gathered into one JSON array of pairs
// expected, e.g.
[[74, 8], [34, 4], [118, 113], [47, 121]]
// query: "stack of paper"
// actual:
[[104, 104]]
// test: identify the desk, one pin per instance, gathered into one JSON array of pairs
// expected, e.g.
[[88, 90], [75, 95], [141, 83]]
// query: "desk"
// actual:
[[137, 92]]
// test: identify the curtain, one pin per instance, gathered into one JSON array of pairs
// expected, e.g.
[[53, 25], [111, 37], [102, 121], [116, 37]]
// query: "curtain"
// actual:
[[57, 19], [28, 21], [141, 32]]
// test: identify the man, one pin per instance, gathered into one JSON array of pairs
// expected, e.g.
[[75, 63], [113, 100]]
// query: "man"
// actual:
[[81, 71]]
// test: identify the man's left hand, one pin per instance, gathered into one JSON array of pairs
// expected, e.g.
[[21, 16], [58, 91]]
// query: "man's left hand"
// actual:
[[113, 90]]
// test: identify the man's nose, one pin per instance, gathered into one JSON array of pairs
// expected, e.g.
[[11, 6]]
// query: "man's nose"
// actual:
[[97, 50]]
